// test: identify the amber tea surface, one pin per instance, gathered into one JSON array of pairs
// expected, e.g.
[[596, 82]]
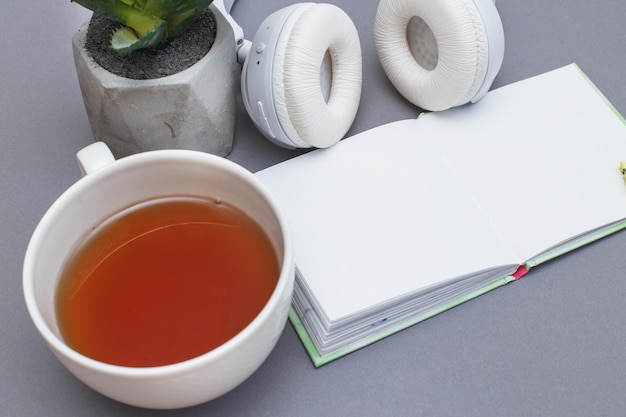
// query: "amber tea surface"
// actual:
[[165, 281]]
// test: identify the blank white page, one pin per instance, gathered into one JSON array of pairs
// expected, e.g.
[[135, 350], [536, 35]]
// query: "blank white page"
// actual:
[[377, 216], [541, 156], [414, 203]]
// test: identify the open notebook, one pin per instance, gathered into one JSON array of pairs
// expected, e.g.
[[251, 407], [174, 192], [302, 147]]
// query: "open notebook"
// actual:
[[409, 219]]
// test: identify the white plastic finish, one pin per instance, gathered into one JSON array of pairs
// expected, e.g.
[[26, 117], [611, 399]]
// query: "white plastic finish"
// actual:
[[495, 39], [256, 85], [224, 6]]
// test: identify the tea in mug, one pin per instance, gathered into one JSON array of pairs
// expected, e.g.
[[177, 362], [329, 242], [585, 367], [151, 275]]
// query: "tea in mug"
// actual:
[[165, 281]]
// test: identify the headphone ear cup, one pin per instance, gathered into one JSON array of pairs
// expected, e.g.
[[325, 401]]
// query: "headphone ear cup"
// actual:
[[439, 53], [322, 31], [288, 58]]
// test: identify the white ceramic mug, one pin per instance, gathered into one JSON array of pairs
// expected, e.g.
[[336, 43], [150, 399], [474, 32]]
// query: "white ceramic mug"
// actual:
[[109, 186]]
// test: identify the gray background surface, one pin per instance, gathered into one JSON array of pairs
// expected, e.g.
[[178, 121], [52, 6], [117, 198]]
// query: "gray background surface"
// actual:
[[552, 344]]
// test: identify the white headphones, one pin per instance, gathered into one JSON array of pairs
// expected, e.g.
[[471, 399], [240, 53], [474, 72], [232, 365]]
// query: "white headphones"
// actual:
[[283, 79], [301, 76]]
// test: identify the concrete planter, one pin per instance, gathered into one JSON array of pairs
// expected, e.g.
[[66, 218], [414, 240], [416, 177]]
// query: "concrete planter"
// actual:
[[194, 109]]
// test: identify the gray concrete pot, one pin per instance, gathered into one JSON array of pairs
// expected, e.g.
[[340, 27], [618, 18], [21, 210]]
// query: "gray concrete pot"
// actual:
[[194, 109]]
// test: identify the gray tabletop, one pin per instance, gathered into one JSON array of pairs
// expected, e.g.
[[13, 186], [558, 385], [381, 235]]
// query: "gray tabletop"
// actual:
[[553, 343]]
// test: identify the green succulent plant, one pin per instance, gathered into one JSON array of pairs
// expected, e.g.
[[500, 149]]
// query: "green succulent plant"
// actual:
[[146, 23]]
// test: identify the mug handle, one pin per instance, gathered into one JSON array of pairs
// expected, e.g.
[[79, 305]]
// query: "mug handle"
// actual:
[[93, 157]]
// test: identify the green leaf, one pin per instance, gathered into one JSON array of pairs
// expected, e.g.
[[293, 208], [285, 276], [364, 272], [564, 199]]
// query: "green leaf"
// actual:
[[125, 40], [148, 23]]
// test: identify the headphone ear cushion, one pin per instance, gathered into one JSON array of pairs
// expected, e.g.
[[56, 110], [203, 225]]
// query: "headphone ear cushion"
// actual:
[[462, 50], [310, 35]]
